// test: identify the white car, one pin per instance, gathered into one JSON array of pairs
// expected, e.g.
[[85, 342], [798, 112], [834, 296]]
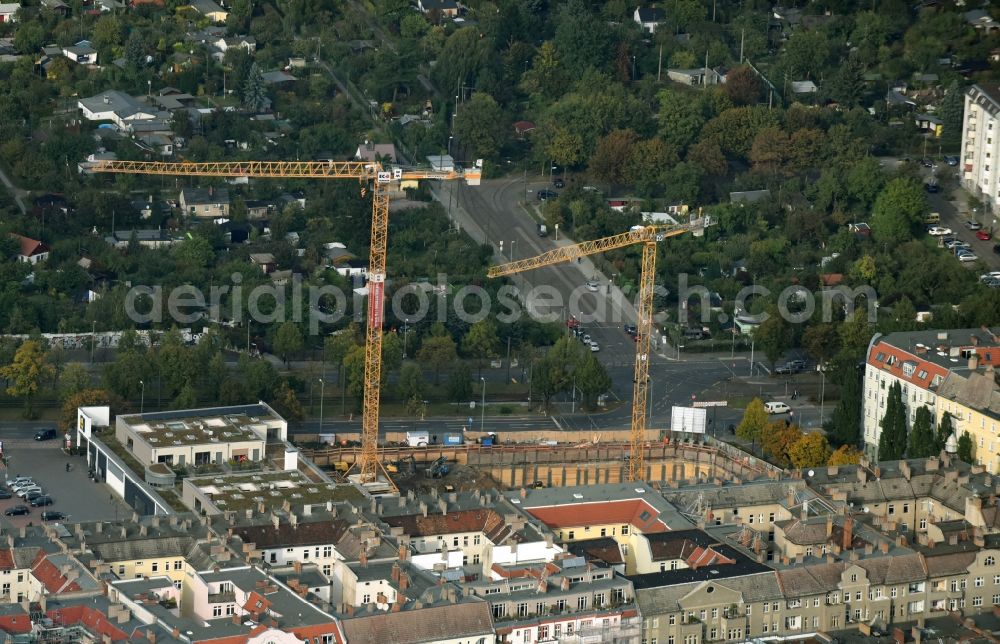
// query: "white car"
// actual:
[[586, 339], [24, 491], [775, 407], [22, 484], [938, 231], [18, 480], [594, 346], [592, 286], [992, 275], [967, 257]]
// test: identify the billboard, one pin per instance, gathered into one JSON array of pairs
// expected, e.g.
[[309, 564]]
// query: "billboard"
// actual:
[[690, 420]]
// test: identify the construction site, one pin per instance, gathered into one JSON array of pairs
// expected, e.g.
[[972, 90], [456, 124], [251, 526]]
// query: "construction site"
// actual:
[[632, 454]]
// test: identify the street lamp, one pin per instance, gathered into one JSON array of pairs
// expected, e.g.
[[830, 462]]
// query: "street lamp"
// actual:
[[449, 144], [822, 394], [557, 232], [512, 242], [322, 388], [142, 396], [482, 407], [406, 328]]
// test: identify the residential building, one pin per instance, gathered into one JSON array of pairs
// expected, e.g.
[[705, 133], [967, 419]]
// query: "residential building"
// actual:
[[446, 8], [973, 402], [201, 436], [117, 107], [264, 261], [8, 11], [980, 143], [371, 151], [919, 361], [210, 10], [441, 162], [205, 203], [649, 18], [696, 76], [465, 623], [147, 238], [82, 53], [30, 251], [564, 600]]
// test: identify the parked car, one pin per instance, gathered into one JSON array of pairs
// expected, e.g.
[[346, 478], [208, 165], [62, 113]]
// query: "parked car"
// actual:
[[11, 482], [53, 515], [594, 346], [927, 163], [973, 225], [967, 257], [592, 286], [631, 330], [17, 487], [41, 501], [954, 243], [24, 491], [45, 434], [6, 494], [775, 407], [34, 494], [983, 235], [996, 248], [545, 194], [558, 183], [938, 231], [932, 187], [951, 160], [17, 510]]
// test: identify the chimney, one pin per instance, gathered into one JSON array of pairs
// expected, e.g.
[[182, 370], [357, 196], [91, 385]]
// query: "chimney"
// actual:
[[862, 476], [404, 581], [974, 339], [142, 530], [363, 559], [99, 527], [151, 636], [297, 565], [211, 191], [176, 633], [443, 506], [395, 572], [403, 552], [524, 493], [124, 614], [848, 536], [829, 527], [904, 468], [423, 509], [275, 520], [236, 619], [973, 360]]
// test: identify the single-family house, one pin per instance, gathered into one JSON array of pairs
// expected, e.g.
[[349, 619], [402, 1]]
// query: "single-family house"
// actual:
[[980, 19], [210, 10], [208, 203], [85, 166], [57, 6], [649, 18], [8, 11], [277, 77], [447, 8], [697, 76], [523, 127], [371, 151], [749, 196], [265, 261], [930, 124], [115, 106], [147, 238], [30, 251], [249, 43], [804, 87], [82, 53], [107, 6]]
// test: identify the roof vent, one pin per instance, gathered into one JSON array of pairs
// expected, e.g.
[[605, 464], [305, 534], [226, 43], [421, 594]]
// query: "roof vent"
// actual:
[[640, 490], [516, 501], [577, 495]]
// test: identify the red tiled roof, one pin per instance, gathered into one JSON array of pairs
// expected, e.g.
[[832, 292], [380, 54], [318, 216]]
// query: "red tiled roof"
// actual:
[[256, 604], [831, 279], [92, 618], [635, 512], [6, 559], [49, 576], [900, 356], [30, 247], [480, 520], [15, 624]]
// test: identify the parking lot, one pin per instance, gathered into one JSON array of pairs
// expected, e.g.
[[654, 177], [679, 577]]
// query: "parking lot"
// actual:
[[73, 493]]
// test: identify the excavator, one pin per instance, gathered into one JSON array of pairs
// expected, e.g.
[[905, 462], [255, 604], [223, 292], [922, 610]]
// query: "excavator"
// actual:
[[407, 466]]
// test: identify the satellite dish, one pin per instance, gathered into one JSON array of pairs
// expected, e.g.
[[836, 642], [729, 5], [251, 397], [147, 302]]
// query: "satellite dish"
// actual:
[[812, 473], [851, 504], [865, 509]]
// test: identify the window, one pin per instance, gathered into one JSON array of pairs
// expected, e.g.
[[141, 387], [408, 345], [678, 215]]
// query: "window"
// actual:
[[996, 600], [977, 601], [216, 611], [178, 564], [702, 615], [522, 609], [770, 517], [857, 596], [572, 535], [715, 613], [978, 582], [989, 560], [560, 605], [581, 602], [598, 600], [767, 607], [625, 529], [923, 524], [671, 620], [543, 632], [690, 639], [156, 566], [854, 577], [230, 609], [327, 551], [327, 570], [475, 559], [892, 592], [366, 599], [475, 539], [177, 585], [500, 610], [892, 509]]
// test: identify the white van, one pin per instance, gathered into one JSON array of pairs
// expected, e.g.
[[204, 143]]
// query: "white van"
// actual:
[[777, 407]]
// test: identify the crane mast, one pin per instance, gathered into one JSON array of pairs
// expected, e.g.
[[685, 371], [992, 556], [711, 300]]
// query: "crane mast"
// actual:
[[369, 464], [648, 236]]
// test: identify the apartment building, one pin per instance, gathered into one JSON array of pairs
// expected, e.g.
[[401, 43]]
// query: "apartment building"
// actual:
[[565, 600], [973, 402], [919, 361], [201, 436], [980, 143]]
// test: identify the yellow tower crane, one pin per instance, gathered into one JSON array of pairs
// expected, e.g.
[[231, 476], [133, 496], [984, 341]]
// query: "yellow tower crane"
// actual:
[[367, 173], [648, 236]]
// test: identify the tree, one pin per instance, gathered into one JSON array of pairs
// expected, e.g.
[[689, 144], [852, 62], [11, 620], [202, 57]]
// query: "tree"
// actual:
[[339, 344], [287, 403], [811, 450], [742, 86], [950, 111], [481, 342], [26, 373], [944, 431], [707, 155], [845, 455], [609, 162], [392, 351], [288, 340], [107, 35], [806, 53], [592, 379], [437, 353], [848, 84], [411, 382], [897, 211], [681, 116], [820, 342], [481, 125], [777, 440], [254, 92], [87, 398], [460, 384], [774, 336], [845, 425], [754, 421], [922, 443], [187, 398], [74, 379], [582, 39], [966, 448], [892, 442], [30, 37], [354, 374], [193, 253]]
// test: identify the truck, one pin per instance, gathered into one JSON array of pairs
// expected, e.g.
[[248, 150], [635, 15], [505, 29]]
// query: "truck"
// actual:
[[543, 230], [489, 440], [420, 438], [454, 439]]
